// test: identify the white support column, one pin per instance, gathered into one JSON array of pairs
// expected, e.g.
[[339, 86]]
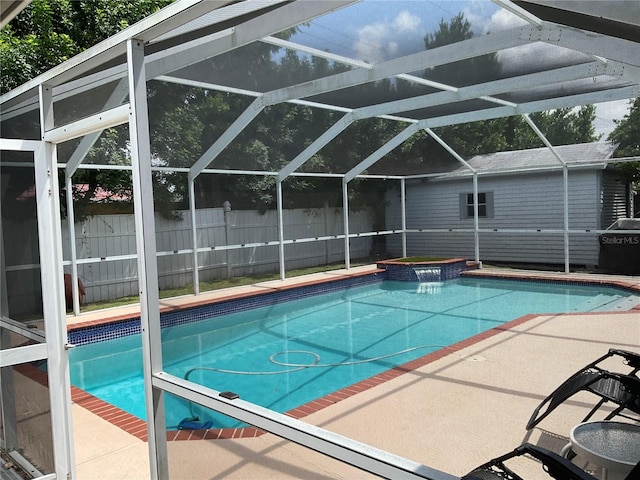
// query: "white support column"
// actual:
[[51, 273], [565, 187], [280, 228], [476, 217], [7, 390], [345, 219], [403, 206], [194, 234], [72, 244], [147, 261]]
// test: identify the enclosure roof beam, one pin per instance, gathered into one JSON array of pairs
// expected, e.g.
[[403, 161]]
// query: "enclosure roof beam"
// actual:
[[508, 110], [115, 46], [245, 118], [441, 98], [428, 58], [438, 56], [357, 63], [523, 82], [117, 97], [381, 152], [530, 107], [98, 122], [543, 137], [448, 148], [519, 12], [613, 49], [320, 142], [279, 42], [173, 58], [284, 17]]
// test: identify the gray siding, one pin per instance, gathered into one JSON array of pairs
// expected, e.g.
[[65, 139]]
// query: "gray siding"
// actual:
[[524, 201], [614, 199]]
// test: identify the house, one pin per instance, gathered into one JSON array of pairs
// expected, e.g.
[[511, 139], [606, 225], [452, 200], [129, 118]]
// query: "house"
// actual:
[[520, 206]]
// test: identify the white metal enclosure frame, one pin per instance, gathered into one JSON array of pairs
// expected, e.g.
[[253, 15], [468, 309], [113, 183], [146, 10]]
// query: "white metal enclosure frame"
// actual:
[[52, 345], [155, 49]]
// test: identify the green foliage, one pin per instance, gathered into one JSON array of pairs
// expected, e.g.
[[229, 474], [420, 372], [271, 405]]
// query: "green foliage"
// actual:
[[560, 127], [627, 136], [34, 42], [185, 121], [48, 32]]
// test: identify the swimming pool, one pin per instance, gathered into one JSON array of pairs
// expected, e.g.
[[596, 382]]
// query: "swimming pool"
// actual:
[[284, 355]]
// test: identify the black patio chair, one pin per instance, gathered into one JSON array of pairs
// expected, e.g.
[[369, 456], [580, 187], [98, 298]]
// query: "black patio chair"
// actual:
[[557, 467], [623, 389]]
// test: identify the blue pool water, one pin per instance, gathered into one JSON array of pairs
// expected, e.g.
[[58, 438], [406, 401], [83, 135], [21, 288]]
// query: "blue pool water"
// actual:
[[286, 355]]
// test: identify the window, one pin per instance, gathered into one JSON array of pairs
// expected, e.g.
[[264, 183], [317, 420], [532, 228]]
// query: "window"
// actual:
[[485, 205]]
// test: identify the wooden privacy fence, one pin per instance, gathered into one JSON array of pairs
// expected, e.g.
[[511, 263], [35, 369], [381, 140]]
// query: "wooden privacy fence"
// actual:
[[230, 244]]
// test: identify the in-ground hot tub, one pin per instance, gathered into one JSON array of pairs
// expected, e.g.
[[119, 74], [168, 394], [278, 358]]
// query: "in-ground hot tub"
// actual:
[[413, 269]]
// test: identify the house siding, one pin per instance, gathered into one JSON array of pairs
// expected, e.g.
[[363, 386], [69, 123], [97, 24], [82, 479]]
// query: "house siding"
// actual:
[[531, 201], [614, 199]]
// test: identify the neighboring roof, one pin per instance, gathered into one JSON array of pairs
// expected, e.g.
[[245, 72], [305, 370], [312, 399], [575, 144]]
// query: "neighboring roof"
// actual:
[[593, 155]]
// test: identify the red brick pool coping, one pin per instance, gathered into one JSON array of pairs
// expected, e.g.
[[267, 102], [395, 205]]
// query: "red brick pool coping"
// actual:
[[138, 427]]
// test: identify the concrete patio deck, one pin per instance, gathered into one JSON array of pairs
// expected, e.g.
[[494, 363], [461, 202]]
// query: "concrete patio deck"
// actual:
[[452, 414]]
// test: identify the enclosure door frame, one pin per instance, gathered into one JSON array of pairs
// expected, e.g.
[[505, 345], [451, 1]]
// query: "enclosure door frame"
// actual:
[[52, 346]]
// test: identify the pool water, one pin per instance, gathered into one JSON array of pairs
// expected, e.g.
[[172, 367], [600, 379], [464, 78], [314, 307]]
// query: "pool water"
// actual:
[[286, 355]]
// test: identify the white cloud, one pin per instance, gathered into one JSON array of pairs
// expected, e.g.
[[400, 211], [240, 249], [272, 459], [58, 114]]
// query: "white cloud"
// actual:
[[502, 20], [379, 40], [405, 22], [486, 17], [370, 43]]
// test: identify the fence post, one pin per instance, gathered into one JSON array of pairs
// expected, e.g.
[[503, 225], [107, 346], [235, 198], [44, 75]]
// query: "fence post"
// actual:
[[226, 208], [326, 231]]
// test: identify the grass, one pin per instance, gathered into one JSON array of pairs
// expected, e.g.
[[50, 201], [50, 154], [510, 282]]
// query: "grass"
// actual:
[[208, 286]]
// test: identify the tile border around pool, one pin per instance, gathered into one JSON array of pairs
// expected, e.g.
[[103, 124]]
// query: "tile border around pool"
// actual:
[[121, 326], [138, 427], [561, 279]]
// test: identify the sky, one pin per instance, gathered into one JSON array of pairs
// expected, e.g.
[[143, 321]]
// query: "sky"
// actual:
[[376, 30]]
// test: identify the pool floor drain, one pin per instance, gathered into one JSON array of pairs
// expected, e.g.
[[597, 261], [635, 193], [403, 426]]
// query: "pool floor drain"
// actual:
[[473, 358]]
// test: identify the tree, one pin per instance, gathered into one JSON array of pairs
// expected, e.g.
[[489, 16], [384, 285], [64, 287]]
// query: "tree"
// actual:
[[185, 121], [561, 127], [463, 72], [48, 32], [627, 137]]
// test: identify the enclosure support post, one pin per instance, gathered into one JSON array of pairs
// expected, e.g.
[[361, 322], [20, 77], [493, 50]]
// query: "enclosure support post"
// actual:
[[51, 274], [194, 234], [345, 218], [403, 206], [565, 186], [280, 228], [8, 415], [476, 219], [147, 260], [72, 245]]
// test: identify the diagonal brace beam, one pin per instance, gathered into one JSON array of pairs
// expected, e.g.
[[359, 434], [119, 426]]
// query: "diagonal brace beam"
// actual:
[[320, 142]]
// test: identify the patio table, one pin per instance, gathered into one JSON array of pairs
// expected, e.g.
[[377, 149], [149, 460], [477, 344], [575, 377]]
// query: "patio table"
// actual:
[[614, 446]]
